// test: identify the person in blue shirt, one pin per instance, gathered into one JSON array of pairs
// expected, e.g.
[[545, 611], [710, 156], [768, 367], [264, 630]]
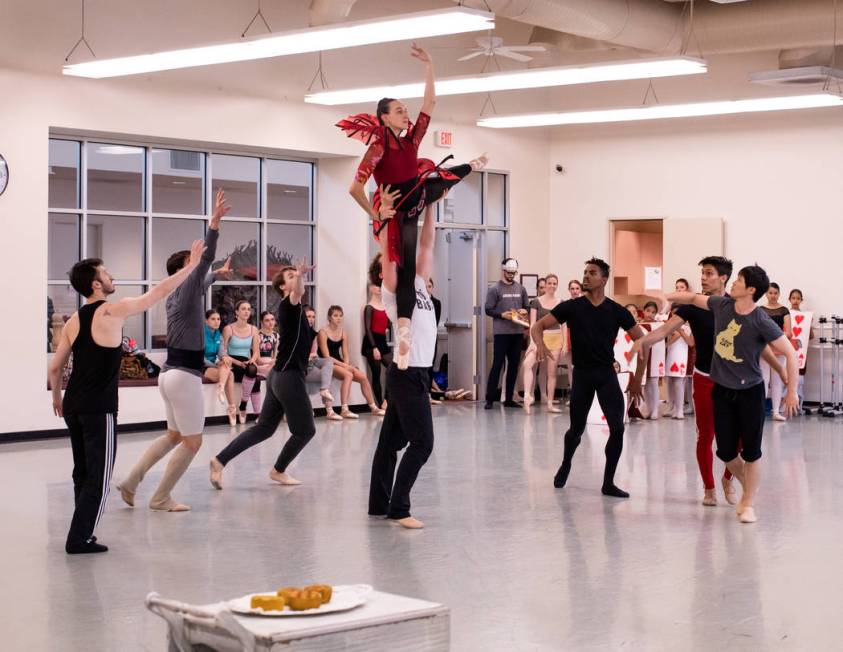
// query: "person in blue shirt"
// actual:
[[216, 369]]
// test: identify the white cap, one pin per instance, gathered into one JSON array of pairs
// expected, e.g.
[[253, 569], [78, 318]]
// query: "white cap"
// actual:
[[511, 265]]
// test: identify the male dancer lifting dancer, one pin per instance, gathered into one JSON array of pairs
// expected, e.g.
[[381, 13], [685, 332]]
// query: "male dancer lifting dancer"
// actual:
[[180, 382], [94, 335], [742, 332], [593, 320], [715, 273], [408, 418], [286, 393]]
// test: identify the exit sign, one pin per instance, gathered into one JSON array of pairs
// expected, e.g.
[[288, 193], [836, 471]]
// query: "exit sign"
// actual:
[[444, 138]]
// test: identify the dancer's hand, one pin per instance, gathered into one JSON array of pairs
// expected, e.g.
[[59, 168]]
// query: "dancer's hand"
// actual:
[[420, 54], [225, 272], [196, 251], [57, 407], [221, 208], [376, 354], [634, 388], [388, 197], [637, 345], [303, 269], [542, 352], [791, 404]]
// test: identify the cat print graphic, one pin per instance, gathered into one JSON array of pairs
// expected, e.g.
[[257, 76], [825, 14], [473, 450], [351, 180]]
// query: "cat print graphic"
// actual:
[[725, 342]]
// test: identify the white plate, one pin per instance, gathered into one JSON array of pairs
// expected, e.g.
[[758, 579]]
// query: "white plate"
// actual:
[[343, 599]]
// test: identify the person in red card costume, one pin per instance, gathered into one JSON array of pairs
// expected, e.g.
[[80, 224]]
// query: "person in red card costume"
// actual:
[[406, 184], [795, 297], [781, 316]]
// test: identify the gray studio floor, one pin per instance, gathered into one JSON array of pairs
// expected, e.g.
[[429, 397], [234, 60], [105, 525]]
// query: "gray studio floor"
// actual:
[[521, 565]]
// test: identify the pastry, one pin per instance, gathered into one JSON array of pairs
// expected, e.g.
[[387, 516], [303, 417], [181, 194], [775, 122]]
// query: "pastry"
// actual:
[[305, 600], [268, 602], [324, 589]]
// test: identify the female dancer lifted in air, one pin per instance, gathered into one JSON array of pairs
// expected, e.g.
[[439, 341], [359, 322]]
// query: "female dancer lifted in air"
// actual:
[[406, 185]]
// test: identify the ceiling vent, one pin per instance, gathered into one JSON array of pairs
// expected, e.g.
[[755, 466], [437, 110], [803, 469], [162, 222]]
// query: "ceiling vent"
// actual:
[[806, 76]]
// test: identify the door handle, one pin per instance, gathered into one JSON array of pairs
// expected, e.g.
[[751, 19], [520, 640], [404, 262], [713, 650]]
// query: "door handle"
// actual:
[[458, 324]]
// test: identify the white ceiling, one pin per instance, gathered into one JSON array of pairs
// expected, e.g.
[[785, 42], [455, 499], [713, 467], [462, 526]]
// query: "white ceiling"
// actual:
[[37, 34]]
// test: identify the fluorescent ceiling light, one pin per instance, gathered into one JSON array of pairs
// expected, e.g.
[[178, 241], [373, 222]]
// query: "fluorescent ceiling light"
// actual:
[[118, 150], [521, 79], [404, 27], [659, 111]]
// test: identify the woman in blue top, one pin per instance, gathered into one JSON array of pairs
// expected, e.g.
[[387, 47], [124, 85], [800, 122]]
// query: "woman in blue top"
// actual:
[[241, 350], [216, 369]]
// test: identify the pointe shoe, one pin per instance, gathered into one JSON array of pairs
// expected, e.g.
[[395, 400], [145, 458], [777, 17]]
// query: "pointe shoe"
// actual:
[[729, 491], [283, 478], [242, 416], [376, 410], [216, 474], [232, 415], [553, 409], [479, 163], [710, 498], [410, 523], [169, 506], [747, 515], [434, 401], [528, 403], [402, 357], [221, 395], [326, 396], [331, 415], [778, 417], [345, 413], [127, 496]]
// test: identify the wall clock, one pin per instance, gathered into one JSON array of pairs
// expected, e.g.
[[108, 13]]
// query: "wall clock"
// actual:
[[4, 174]]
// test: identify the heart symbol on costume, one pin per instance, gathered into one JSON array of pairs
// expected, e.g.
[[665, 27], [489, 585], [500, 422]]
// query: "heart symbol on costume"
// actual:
[[661, 367], [799, 318], [628, 338], [603, 418], [674, 368], [628, 355], [682, 369], [797, 330]]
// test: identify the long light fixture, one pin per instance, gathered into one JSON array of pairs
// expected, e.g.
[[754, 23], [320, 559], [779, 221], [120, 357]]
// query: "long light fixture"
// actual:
[[659, 111], [404, 27], [521, 79]]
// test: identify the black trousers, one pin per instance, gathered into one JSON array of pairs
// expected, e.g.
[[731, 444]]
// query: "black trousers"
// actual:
[[94, 444], [408, 421], [738, 421], [408, 214], [286, 394], [602, 381], [506, 348], [375, 366]]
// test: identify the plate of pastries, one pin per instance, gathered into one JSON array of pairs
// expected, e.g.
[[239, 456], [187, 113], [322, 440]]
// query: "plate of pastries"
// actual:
[[309, 600]]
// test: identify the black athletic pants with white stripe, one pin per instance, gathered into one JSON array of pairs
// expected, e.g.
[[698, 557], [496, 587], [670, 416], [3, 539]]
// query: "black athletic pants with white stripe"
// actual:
[[92, 437]]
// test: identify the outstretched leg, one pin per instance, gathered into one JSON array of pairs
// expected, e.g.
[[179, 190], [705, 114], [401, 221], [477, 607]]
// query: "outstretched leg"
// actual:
[[582, 394]]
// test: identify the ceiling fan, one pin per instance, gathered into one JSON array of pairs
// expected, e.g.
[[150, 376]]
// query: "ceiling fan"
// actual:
[[491, 46]]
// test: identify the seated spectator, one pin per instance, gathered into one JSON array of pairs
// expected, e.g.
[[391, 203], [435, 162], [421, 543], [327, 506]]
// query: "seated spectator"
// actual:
[[241, 346], [216, 369], [321, 370], [333, 343]]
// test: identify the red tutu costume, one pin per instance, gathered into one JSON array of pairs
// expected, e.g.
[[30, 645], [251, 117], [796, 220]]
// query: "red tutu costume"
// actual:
[[393, 160]]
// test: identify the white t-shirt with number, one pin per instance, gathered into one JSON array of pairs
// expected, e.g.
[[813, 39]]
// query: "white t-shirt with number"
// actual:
[[423, 327]]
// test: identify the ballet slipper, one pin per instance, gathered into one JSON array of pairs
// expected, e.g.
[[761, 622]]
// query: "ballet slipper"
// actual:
[[434, 401], [330, 414], [729, 491], [216, 473], [747, 515], [127, 496], [221, 395], [479, 163], [710, 498], [283, 478], [528, 402], [345, 413], [326, 396], [376, 410], [232, 415], [169, 506], [553, 409], [778, 417], [410, 523], [402, 359], [242, 416]]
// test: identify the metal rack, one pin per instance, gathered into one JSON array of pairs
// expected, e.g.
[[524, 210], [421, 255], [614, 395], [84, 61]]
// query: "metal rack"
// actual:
[[830, 330]]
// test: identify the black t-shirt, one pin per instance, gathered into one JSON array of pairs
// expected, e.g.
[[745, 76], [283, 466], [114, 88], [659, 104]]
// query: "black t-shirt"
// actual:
[[296, 337], [702, 328], [593, 329]]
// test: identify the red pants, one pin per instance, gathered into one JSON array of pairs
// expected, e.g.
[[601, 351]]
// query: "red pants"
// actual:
[[704, 413]]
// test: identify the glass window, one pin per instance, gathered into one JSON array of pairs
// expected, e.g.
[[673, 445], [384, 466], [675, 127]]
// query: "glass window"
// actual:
[[158, 324], [225, 297], [178, 182], [496, 199], [170, 235], [115, 177], [62, 302], [119, 241], [63, 184], [239, 240], [134, 326], [62, 245], [273, 299], [464, 203], [288, 190], [239, 177], [287, 244], [495, 253]]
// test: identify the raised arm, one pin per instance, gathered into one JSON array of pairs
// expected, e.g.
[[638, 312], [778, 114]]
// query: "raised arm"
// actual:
[[129, 306], [427, 240], [429, 82], [686, 298], [302, 270]]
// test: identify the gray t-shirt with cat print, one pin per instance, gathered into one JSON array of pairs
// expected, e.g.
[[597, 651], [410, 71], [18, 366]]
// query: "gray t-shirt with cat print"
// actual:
[[738, 343]]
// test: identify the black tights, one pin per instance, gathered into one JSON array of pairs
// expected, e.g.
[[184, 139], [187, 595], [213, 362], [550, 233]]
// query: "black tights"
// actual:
[[602, 381], [375, 370], [429, 192]]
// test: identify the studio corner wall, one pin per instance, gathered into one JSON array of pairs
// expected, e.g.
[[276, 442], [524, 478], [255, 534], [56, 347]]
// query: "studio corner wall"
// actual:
[[774, 180], [33, 104]]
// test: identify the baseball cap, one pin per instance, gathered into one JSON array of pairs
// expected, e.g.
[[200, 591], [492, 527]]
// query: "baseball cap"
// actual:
[[510, 265]]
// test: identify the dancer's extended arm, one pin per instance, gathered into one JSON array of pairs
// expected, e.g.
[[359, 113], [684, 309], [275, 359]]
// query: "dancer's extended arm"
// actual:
[[637, 334], [429, 82], [427, 240], [698, 300]]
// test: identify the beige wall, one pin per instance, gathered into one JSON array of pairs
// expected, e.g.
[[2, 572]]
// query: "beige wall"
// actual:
[[34, 104]]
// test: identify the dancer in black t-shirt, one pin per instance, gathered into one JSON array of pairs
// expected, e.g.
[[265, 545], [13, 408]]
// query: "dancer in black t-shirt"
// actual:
[[594, 320], [286, 391]]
